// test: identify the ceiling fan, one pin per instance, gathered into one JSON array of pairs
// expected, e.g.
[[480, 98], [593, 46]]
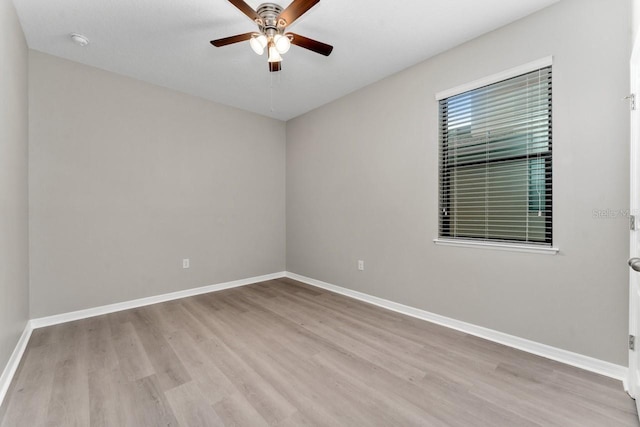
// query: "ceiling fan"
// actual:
[[272, 22]]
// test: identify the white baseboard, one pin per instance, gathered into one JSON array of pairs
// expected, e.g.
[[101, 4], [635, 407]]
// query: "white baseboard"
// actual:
[[16, 356], [141, 302], [12, 365], [574, 359]]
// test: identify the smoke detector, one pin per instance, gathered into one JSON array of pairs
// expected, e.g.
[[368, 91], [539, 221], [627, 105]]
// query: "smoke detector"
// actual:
[[79, 39]]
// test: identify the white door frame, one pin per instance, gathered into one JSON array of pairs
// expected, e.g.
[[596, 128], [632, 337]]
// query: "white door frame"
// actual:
[[633, 379]]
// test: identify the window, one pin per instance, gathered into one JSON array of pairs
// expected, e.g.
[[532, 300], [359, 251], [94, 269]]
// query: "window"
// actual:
[[495, 162]]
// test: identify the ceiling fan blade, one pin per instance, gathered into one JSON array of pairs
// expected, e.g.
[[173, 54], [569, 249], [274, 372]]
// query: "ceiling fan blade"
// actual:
[[295, 10], [246, 9], [313, 45], [230, 40]]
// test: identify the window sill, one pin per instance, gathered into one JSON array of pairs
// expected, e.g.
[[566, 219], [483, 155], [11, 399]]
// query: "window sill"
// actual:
[[513, 247]]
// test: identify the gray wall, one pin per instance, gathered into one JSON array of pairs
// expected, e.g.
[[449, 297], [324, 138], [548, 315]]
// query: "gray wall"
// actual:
[[14, 262], [362, 184], [127, 179]]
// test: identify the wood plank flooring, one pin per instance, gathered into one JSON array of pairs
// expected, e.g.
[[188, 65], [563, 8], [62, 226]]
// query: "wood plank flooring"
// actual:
[[281, 353]]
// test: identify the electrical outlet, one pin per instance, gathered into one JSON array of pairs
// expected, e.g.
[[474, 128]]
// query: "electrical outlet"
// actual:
[[360, 265], [185, 263]]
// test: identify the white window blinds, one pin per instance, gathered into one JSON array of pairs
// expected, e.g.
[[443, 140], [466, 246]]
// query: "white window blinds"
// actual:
[[495, 162]]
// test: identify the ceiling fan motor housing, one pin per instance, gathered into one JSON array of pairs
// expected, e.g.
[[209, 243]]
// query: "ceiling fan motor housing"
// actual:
[[269, 13]]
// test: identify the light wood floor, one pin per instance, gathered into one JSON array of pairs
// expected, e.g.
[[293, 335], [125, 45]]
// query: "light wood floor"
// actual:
[[283, 353]]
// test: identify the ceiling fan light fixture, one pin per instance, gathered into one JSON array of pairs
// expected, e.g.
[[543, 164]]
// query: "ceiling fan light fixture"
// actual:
[[274, 55], [282, 43], [258, 43]]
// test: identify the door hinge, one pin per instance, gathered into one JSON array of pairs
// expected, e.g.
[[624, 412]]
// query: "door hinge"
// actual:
[[632, 342], [632, 100], [632, 222]]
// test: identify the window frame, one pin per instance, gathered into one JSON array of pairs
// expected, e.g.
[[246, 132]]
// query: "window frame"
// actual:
[[496, 243]]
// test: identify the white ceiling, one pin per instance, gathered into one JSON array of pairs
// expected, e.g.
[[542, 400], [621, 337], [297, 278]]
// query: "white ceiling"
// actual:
[[166, 42]]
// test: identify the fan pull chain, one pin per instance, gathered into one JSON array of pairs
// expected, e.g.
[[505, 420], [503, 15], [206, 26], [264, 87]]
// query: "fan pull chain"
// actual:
[[271, 93], [271, 107]]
